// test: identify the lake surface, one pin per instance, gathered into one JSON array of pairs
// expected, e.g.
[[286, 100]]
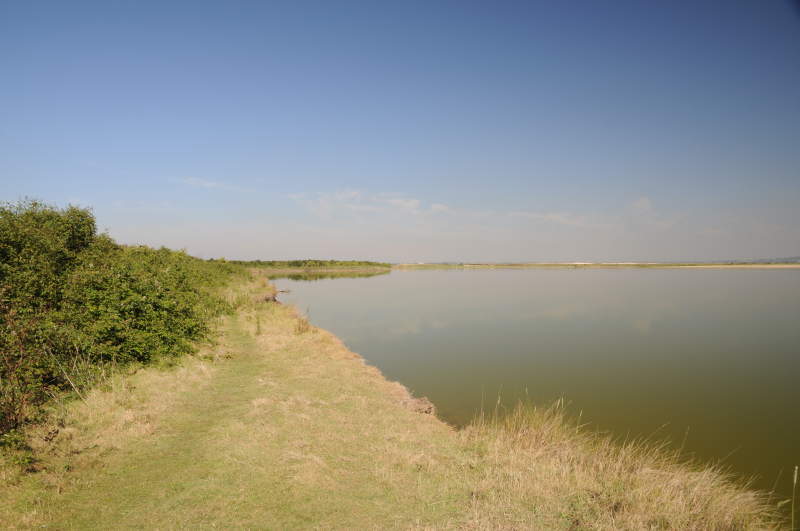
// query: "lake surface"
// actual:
[[711, 357]]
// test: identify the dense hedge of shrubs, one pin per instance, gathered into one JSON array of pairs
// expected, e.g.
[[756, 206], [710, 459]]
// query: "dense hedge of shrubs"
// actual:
[[73, 303]]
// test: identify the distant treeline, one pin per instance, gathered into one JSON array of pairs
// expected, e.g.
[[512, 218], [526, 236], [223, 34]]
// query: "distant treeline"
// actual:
[[74, 304], [322, 275], [307, 264]]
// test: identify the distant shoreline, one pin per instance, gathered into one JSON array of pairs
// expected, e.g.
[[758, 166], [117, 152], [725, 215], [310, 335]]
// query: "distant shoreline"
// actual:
[[289, 270], [606, 265], [540, 265]]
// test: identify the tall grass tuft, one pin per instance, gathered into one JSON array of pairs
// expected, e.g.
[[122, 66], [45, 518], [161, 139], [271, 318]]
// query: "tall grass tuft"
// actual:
[[304, 322], [540, 456], [794, 487]]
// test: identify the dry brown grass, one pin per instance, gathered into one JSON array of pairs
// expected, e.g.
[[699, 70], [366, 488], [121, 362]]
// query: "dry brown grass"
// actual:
[[288, 430], [537, 457]]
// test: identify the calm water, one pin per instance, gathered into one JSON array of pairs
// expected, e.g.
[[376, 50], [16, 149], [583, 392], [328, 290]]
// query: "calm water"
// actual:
[[714, 352]]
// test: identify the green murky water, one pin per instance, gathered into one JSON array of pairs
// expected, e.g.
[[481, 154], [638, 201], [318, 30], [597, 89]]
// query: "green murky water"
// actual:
[[711, 357]]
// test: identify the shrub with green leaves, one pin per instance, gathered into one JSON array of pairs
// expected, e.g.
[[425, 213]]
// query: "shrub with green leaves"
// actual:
[[72, 301], [39, 247], [137, 304]]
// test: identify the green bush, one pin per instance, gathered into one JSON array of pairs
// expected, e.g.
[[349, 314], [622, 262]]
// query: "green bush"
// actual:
[[136, 304], [72, 302], [39, 246]]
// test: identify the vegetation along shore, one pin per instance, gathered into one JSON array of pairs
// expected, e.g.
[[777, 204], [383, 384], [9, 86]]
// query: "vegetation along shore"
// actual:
[[147, 389]]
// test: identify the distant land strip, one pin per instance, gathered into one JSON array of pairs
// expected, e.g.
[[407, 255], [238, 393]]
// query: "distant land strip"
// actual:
[[601, 265], [342, 266]]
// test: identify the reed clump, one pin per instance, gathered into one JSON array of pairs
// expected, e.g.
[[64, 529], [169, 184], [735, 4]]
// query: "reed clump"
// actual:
[[794, 486], [303, 321], [535, 456]]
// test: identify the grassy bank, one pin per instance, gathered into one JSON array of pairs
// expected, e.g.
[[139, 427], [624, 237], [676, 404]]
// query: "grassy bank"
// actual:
[[279, 426]]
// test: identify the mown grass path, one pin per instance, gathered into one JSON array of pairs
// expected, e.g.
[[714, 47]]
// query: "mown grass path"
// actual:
[[256, 447], [181, 478]]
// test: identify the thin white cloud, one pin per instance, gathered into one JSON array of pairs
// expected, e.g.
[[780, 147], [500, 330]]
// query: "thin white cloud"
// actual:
[[353, 202], [639, 213], [144, 206], [642, 208], [667, 223], [438, 208], [643, 205], [564, 218], [400, 203], [324, 204], [191, 181]]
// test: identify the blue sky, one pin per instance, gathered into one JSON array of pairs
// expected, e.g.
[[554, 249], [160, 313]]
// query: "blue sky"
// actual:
[[412, 131]]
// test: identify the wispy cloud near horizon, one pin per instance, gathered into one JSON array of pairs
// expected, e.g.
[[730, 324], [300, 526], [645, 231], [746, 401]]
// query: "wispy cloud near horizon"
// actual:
[[384, 205], [565, 219], [191, 181], [145, 206], [642, 204]]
